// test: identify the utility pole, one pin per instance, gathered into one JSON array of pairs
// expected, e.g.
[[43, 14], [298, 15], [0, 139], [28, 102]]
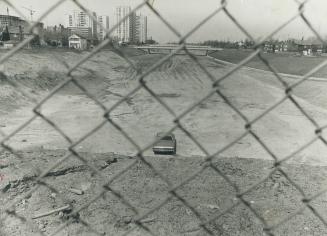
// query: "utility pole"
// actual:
[[31, 23], [9, 20], [31, 12]]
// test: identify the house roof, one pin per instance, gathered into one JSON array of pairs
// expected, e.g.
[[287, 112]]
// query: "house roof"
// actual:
[[78, 35], [309, 42], [10, 42]]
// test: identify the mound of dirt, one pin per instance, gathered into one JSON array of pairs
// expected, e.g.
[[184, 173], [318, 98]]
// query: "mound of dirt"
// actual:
[[38, 72]]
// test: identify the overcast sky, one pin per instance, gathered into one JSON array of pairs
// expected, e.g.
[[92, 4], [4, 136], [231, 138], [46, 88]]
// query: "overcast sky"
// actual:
[[259, 17]]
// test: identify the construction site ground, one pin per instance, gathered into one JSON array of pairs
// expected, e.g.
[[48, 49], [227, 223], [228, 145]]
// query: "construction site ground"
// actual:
[[180, 83]]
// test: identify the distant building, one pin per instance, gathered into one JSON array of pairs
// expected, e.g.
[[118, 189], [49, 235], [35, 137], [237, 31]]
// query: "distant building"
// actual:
[[13, 21], [9, 44], [309, 47], [269, 46], [104, 22], [141, 29], [77, 42], [133, 29], [94, 26], [276, 46], [56, 36], [124, 30], [240, 44], [283, 46], [86, 32], [82, 24], [17, 27]]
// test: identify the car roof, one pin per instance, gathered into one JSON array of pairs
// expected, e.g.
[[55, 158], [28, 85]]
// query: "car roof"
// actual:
[[163, 134]]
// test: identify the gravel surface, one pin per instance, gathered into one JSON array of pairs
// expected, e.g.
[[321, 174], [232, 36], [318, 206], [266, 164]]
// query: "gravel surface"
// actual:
[[209, 194]]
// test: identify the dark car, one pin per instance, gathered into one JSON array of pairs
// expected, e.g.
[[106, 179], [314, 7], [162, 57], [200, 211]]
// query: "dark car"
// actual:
[[166, 145]]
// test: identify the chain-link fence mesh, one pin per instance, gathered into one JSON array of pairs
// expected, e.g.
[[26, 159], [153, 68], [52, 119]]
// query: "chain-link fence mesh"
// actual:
[[207, 164]]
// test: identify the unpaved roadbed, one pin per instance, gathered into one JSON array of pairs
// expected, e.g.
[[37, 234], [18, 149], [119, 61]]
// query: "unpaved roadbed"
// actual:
[[208, 193]]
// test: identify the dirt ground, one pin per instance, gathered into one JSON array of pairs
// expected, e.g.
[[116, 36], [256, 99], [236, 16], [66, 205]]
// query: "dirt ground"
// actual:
[[180, 83]]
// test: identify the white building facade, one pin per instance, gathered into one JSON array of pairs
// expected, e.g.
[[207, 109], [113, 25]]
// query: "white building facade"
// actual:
[[141, 29], [77, 42], [133, 29], [124, 30], [104, 22], [81, 23]]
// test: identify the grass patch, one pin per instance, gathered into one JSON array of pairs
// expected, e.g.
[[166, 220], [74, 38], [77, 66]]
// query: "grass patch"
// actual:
[[283, 62]]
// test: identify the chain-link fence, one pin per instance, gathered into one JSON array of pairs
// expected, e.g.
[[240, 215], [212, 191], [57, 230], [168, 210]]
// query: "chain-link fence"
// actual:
[[139, 222]]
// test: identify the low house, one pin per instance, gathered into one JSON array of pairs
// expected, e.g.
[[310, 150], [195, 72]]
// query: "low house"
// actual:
[[309, 47], [268, 47], [240, 44], [274, 47], [283, 46], [78, 42], [9, 44]]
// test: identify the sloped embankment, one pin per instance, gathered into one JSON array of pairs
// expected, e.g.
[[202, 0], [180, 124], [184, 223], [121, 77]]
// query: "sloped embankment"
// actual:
[[38, 72]]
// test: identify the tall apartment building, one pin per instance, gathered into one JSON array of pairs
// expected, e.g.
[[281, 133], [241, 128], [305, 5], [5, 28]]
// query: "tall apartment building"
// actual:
[[94, 26], [124, 30], [81, 23], [133, 28], [104, 21], [141, 29]]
